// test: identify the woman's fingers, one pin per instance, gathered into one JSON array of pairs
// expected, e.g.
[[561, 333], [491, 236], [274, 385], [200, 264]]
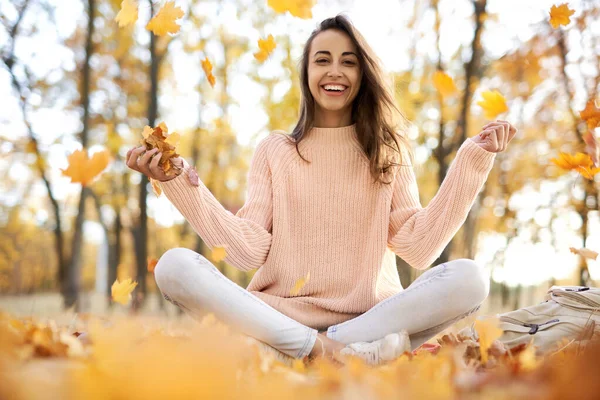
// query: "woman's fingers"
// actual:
[[156, 171], [144, 162], [132, 158]]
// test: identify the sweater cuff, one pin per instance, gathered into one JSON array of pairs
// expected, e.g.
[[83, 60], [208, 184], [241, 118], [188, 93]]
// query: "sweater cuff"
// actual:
[[176, 186], [479, 158]]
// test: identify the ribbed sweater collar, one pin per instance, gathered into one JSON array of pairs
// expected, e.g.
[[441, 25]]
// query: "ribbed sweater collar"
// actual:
[[333, 137]]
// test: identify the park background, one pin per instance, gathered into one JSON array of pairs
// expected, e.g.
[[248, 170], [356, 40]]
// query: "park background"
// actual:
[[71, 77]]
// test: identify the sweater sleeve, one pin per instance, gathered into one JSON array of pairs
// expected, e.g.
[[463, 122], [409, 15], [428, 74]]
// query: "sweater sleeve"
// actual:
[[419, 235], [246, 235]]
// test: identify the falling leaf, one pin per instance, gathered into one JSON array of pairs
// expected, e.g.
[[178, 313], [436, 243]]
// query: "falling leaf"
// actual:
[[121, 291], [128, 13], [193, 177], [299, 285], [164, 20], [591, 114], [560, 15], [83, 169], [493, 104], [266, 47], [298, 8], [588, 172], [527, 358], [587, 253], [152, 264], [218, 254], [156, 187], [444, 83], [570, 162], [207, 67], [488, 331]]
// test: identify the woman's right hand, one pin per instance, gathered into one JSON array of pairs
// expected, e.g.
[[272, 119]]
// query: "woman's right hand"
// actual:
[[146, 162]]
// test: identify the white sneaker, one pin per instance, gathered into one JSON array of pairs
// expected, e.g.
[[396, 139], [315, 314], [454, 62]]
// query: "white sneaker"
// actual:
[[380, 351]]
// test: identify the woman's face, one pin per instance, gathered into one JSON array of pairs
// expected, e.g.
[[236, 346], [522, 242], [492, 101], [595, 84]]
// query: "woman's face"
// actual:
[[333, 73]]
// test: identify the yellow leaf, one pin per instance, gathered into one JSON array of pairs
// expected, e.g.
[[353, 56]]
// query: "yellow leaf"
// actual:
[[560, 15], [207, 67], [587, 253], [121, 291], [128, 13], [493, 104], [299, 285], [147, 132], [266, 47], [218, 254], [588, 172], [156, 187], [83, 169], [173, 139], [298, 8], [164, 20], [163, 127], [444, 83], [527, 358], [570, 162], [488, 331]]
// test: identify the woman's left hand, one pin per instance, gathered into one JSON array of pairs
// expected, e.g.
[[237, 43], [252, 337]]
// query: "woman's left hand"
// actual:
[[495, 136]]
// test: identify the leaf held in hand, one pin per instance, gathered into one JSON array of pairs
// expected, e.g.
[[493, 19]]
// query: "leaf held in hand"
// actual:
[[121, 291], [156, 138]]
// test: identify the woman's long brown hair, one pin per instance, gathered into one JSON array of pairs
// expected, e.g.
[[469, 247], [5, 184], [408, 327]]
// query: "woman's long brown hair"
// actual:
[[374, 111]]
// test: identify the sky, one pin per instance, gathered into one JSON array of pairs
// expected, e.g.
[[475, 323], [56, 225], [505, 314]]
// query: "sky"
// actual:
[[384, 27]]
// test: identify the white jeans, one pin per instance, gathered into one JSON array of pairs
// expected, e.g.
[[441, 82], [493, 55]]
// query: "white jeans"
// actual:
[[439, 297]]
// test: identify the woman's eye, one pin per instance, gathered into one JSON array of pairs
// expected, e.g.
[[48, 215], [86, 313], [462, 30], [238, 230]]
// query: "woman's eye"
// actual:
[[349, 62], [321, 60]]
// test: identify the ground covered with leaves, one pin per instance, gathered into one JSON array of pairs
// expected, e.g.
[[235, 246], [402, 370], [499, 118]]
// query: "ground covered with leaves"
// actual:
[[139, 357]]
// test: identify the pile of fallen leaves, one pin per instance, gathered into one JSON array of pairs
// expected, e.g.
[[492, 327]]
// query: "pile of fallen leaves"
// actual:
[[145, 358]]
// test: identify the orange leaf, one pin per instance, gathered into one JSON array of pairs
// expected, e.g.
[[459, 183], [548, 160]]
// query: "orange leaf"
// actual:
[[164, 20], [572, 162], [588, 172], [591, 114], [207, 67], [152, 264], [83, 169], [560, 15]]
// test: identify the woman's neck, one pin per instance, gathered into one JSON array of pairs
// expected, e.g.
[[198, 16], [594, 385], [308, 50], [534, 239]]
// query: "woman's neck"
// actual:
[[333, 119]]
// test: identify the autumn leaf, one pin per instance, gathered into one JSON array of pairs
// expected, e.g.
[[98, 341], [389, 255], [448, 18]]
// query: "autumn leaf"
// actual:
[[493, 104], [299, 285], [164, 20], [444, 83], [128, 13], [207, 67], [588, 172], [488, 331], [591, 114], [156, 187], [587, 253], [570, 162], [298, 8], [121, 291], [218, 254], [266, 47], [152, 264], [157, 138], [560, 15], [83, 169]]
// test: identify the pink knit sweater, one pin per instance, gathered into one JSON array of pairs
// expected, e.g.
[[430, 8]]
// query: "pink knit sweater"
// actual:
[[329, 219]]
